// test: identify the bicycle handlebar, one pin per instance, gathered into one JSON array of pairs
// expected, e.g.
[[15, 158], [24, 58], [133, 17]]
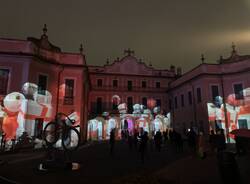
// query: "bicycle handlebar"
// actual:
[[61, 113]]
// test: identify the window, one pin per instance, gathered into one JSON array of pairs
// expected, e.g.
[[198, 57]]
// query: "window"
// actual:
[[38, 129], [4, 79], [129, 85], [190, 101], [69, 92], [143, 84], [215, 91], [170, 104], [115, 83], [99, 105], [130, 105], [99, 82], [158, 102], [144, 101], [158, 84], [182, 100], [198, 91], [176, 102], [238, 91], [242, 123], [42, 84]]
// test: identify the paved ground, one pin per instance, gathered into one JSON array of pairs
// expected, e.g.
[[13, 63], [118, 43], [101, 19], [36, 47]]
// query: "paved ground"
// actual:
[[97, 166]]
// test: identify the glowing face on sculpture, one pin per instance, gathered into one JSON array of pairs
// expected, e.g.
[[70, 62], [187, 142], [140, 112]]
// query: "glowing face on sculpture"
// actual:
[[12, 102]]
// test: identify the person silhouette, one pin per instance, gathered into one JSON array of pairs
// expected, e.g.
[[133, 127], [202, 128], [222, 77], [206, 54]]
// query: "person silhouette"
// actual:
[[112, 141]]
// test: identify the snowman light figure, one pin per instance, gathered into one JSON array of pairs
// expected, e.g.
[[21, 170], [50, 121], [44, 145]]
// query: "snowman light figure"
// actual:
[[12, 103]]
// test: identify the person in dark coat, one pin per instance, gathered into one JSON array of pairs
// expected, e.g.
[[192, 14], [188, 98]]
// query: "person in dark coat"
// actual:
[[212, 141], [165, 136], [158, 140], [178, 141], [130, 140], [170, 134], [240, 145], [143, 139], [112, 141], [192, 139], [135, 138], [220, 141]]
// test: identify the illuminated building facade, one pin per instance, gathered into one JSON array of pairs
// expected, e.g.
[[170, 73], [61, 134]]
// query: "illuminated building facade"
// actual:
[[130, 79], [212, 96], [57, 75]]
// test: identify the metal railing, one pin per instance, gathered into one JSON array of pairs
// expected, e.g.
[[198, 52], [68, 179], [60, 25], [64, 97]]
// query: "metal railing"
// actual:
[[126, 88], [68, 100]]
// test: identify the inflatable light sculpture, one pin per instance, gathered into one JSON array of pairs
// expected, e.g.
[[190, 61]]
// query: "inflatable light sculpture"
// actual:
[[23, 110]]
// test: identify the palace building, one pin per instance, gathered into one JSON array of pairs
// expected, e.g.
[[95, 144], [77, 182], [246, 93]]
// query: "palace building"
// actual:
[[61, 79], [212, 96], [130, 79], [37, 80]]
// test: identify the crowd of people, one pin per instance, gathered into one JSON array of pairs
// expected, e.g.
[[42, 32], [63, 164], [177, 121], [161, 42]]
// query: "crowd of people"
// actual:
[[197, 144]]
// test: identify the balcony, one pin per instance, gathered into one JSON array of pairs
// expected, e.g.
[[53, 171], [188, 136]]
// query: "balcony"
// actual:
[[68, 100], [125, 88]]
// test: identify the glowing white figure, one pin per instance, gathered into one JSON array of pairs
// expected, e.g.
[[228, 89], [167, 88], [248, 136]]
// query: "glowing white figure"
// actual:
[[29, 89], [35, 106], [157, 110], [111, 125], [122, 108], [12, 102], [143, 123], [95, 129], [157, 125]]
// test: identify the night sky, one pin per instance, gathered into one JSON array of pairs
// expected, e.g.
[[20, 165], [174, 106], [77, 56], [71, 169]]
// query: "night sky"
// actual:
[[162, 32]]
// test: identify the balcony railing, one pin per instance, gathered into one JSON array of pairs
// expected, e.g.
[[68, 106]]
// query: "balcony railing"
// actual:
[[125, 88], [68, 100]]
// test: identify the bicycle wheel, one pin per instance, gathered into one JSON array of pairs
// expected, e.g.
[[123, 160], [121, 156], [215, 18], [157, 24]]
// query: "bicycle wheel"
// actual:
[[71, 139], [49, 134]]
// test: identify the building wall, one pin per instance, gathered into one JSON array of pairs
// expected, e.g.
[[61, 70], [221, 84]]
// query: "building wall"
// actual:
[[224, 75], [26, 61], [124, 70]]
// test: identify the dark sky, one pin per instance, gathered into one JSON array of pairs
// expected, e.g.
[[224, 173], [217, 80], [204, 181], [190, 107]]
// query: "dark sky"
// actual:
[[162, 32]]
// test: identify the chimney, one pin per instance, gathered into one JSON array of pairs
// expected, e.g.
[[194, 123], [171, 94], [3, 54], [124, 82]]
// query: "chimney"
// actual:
[[179, 71], [172, 69]]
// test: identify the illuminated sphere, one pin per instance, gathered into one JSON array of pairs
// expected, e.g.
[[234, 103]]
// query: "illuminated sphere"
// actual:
[[218, 101], [29, 89], [231, 100], [12, 102], [151, 103], [116, 99], [105, 114], [137, 108], [157, 110]]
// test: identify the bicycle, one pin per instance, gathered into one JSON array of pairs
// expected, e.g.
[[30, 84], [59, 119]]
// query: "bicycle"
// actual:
[[62, 129]]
